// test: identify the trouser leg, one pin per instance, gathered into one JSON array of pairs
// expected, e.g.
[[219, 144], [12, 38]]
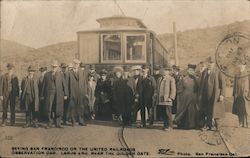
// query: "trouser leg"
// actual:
[[151, 115], [143, 119], [163, 115], [169, 116], [12, 109], [50, 106], [65, 112], [5, 110]]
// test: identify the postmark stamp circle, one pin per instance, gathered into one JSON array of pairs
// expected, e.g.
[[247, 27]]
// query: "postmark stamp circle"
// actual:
[[232, 51]]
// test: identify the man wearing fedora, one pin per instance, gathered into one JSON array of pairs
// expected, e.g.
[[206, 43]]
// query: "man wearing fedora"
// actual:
[[147, 93], [9, 91], [42, 110], [30, 97], [212, 92], [54, 92], [78, 81], [64, 68], [241, 94]]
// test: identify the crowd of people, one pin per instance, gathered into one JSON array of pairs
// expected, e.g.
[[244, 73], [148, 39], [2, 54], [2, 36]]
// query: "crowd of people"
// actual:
[[74, 93]]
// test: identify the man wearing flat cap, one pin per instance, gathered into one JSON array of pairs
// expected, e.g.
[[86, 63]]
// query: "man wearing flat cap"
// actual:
[[188, 88], [93, 71], [9, 91], [212, 92], [30, 97], [54, 92], [166, 92], [78, 81]]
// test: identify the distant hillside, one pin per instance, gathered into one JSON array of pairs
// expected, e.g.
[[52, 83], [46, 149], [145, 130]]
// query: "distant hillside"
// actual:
[[197, 44], [23, 56]]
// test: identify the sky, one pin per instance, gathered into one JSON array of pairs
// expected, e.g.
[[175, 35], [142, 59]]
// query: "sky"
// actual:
[[40, 23]]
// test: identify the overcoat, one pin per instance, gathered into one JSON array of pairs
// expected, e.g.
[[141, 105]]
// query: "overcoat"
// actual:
[[188, 99], [240, 93], [35, 92], [4, 85], [60, 89], [122, 96], [78, 84], [170, 88], [211, 87], [146, 88]]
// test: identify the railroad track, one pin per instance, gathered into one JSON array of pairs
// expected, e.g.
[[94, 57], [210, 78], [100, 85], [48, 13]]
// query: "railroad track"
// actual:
[[123, 142]]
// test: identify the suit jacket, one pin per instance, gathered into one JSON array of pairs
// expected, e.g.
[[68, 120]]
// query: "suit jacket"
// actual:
[[170, 88], [35, 91], [60, 89], [4, 86]]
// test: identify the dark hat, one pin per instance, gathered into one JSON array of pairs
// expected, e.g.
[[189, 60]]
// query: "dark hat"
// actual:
[[42, 69], [210, 60], [103, 72], [167, 67], [10, 66], [31, 68], [176, 67], [92, 67], [192, 66], [64, 65], [126, 68], [157, 67], [145, 66], [82, 65]]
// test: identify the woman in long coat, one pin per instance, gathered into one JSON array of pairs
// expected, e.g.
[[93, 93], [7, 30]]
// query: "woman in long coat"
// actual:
[[187, 105], [122, 96], [241, 92], [103, 94]]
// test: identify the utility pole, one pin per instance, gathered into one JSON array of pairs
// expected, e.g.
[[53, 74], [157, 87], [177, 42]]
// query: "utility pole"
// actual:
[[175, 45]]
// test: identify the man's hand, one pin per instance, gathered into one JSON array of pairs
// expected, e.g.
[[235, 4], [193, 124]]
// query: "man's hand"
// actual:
[[221, 98], [65, 97], [169, 100], [1, 97]]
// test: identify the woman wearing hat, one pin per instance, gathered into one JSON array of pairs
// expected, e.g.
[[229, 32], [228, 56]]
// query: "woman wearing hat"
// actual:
[[188, 94], [103, 93], [30, 97], [122, 96], [241, 95]]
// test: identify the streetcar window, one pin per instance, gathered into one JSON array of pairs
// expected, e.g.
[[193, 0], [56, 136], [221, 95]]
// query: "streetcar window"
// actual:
[[111, 47], [136, 48]]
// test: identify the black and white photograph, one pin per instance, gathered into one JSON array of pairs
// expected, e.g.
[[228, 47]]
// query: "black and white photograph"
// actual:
[[124, 78]]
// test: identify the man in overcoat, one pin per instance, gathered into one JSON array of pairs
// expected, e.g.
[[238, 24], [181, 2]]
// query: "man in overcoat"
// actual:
[[78, 81], [241, 95], [54, 92], [147, 90], [42, 109], [9, 91], [166, 92], [30, 97], [212, 89]]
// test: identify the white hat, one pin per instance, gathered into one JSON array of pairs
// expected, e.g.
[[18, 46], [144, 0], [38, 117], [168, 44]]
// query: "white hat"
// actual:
[[54, 63], [76, 61], [136, 67]]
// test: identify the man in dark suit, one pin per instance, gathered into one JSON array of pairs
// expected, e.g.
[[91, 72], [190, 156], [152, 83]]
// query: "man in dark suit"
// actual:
[[78, 80], [30, 97], [66, 78], [9, 90], [54, 92], [212, 89], [147, 90], [42, 110]]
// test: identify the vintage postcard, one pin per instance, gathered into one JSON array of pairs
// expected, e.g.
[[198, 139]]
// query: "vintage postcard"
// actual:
[[124, 78]]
